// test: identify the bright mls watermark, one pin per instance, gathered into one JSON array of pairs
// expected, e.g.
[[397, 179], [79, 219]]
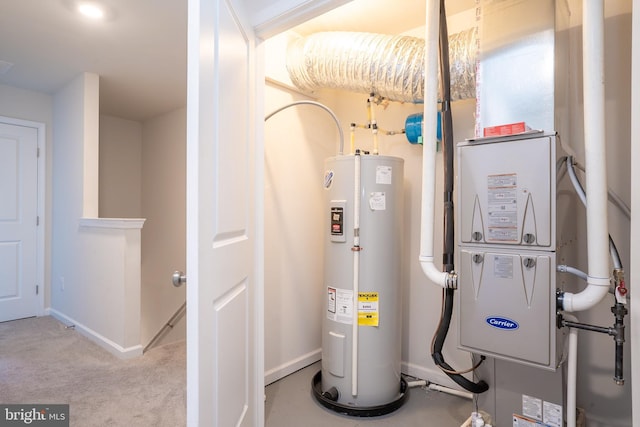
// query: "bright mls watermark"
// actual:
[[34, 415]]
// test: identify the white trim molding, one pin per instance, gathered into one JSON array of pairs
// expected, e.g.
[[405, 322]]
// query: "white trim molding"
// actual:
[[115, 223], [114, 348]]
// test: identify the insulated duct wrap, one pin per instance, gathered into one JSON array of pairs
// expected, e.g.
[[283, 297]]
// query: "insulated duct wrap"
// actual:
[[463, 54], [388, 66]]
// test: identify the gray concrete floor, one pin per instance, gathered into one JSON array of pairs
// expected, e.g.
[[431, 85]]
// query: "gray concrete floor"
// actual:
[[290, 404]]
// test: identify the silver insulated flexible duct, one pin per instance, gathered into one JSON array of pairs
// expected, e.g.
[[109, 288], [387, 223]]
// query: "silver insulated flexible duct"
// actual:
[[388, 66]]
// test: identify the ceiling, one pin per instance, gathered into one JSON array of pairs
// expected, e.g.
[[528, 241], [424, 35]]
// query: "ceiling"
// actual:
[[140, 50], [378, 16]]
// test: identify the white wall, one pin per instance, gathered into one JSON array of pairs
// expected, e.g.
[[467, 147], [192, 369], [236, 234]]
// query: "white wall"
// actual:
[[68, 166], [38, 107], [297, 140], [164, 235], [120, 168], [142, 174], [95, 264]]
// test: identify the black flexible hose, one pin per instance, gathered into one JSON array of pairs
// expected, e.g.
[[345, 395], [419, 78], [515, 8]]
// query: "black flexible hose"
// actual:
[[449, 243], [447, 144], [441, 335]]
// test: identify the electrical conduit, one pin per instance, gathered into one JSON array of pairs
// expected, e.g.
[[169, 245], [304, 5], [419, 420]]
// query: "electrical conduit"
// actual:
[[595, 156], [319, 105]]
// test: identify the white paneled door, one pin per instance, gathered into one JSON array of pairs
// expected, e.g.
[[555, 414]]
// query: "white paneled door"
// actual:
[[18, 216], [224, 374]]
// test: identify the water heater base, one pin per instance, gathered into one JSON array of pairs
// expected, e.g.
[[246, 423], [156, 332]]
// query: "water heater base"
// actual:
[[369, 411]]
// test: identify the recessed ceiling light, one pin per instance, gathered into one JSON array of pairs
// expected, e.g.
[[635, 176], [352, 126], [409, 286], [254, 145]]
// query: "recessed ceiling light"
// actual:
[[91, 10]]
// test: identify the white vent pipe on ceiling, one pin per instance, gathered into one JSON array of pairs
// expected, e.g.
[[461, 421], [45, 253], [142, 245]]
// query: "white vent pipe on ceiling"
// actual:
[[595, 161], [385, 65]]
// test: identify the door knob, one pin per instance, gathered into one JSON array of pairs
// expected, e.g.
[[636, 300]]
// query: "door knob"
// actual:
[[178, 278]]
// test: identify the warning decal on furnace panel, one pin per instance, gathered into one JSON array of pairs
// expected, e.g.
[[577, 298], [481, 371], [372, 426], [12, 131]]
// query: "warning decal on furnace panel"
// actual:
[[502, 191], [368, 312]]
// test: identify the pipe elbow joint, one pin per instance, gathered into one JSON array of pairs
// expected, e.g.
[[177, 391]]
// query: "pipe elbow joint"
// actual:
[[596, 290], [440, 278]]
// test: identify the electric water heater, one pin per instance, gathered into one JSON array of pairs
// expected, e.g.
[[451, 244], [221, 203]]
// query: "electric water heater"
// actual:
[[361, 327]]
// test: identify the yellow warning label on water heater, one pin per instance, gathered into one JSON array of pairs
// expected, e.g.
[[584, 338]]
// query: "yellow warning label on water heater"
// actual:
[[368, 309]]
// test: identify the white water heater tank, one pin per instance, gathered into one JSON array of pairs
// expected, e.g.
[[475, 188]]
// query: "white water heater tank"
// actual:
[[361, 376]]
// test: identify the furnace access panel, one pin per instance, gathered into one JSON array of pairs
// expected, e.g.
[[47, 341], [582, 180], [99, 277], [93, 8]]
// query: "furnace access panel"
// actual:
[[507, 248]]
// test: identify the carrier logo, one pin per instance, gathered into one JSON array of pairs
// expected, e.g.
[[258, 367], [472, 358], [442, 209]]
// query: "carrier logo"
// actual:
[[502, 323]]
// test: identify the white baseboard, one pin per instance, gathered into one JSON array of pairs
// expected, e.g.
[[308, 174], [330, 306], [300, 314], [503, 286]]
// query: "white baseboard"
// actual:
[[115, 349], [430, 374], [274, 374]]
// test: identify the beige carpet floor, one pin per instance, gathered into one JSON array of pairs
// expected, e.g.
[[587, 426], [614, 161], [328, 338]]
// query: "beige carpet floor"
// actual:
[[41, 361]]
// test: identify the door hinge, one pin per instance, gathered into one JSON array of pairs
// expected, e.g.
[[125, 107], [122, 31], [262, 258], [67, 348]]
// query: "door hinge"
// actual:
[[37, 289], [38, 152]]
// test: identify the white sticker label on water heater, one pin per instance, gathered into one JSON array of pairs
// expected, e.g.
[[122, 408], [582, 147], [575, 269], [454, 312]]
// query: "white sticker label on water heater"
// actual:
[[377, 201], [383, 174], [340, 305], [502, 206]]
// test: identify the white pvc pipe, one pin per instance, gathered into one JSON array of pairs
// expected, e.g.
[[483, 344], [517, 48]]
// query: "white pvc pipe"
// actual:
[[374, 127], [576, 183], [595, 156], [429, 147], [572, 372], [451, 391], [614, 198], [356, 275], [416, 383], [613, 252], [572, 270]]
